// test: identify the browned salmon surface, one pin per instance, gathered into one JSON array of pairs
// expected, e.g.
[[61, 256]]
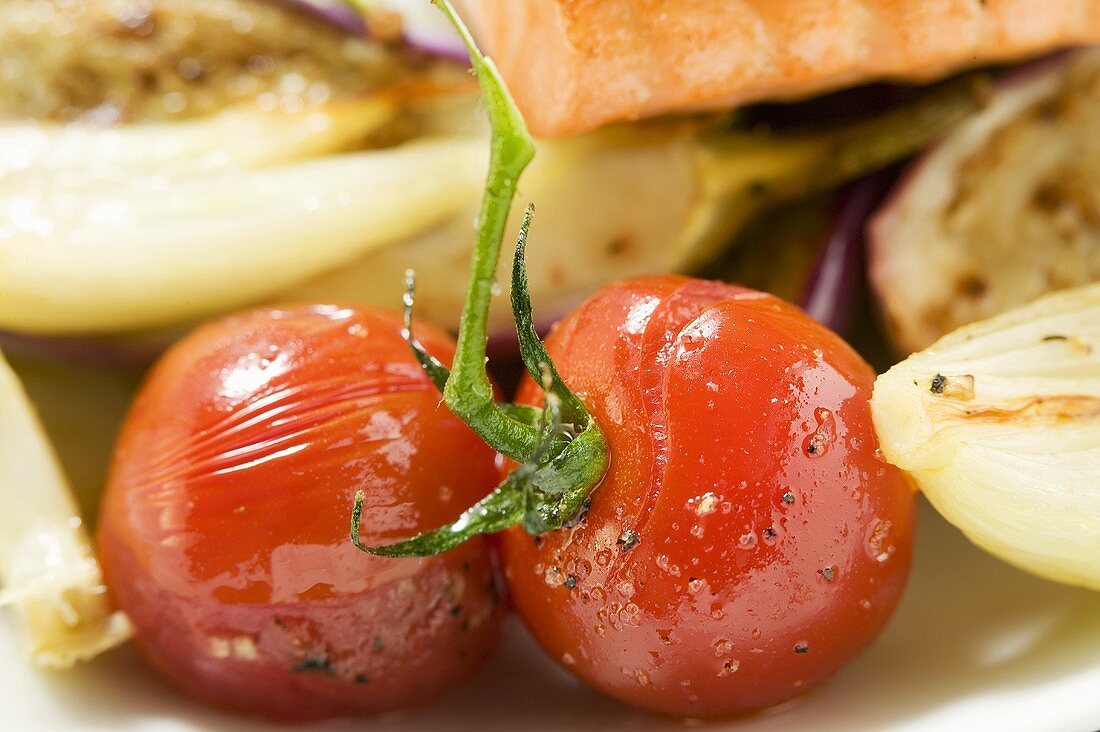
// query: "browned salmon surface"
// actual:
[[574, 65]]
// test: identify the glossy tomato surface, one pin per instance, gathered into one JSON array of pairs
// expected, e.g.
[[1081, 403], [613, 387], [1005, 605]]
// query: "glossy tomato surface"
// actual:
[[225, 527], [747, 540]]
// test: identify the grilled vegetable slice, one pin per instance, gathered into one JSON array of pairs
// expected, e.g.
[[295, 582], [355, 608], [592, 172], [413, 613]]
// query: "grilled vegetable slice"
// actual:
[[212, 214], [49, 573], [1006, 209], [247, 206], [107, 61], [999, 424], [630, 200]]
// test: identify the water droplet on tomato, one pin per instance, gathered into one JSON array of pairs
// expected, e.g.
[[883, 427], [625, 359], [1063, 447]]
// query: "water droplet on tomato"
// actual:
[[692, 342], [704, 505], [696, 585], [641, 676], [603, 557], [554, 577], [722, 647], [567, 659], [631, 614], [582, 569], [818, 442], [664, 564], [756, 633], [613, 618], [626, 589], [876, 542]]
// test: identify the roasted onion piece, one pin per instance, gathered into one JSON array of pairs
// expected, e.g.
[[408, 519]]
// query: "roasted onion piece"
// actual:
[[999, 424]]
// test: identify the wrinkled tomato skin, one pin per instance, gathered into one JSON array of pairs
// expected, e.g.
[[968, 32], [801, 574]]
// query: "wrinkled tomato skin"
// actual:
[[225, 527], [772, 540]]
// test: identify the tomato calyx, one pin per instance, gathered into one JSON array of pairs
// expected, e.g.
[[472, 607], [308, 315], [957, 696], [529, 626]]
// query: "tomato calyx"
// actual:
[[562, 453]]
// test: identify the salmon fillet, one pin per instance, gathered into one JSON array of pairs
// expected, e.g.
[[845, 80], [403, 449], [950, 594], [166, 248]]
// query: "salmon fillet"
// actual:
[[574, 65]]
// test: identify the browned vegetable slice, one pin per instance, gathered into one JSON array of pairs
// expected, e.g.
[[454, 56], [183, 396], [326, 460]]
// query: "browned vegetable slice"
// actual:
[[110, 61], [1006, 209]]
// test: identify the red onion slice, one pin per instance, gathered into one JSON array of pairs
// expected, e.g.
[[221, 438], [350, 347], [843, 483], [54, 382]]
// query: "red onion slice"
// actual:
[[423, 26], [336, 13], [833, 289], [426, 28]]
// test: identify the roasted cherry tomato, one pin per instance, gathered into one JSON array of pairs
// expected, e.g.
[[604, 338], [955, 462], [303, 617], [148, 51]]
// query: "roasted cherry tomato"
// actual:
[[225, 527], [748, 539]]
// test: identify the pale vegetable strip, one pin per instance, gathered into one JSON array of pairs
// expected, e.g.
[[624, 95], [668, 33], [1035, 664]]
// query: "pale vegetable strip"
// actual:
[[999, 425], [235, 137], [141, 226], [47, 567]]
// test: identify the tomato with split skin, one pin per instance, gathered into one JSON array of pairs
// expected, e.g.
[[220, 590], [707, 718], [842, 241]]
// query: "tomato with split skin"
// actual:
[[224, 531], [748, 539]]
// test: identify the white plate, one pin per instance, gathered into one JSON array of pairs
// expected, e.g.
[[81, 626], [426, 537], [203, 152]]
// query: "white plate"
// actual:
[[976, 645]]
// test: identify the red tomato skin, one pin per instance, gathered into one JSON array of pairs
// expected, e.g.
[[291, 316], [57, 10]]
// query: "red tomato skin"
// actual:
[[224, 531], [773, 540]]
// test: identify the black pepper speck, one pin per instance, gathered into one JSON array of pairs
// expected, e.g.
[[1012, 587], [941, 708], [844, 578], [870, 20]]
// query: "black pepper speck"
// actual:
[[628, 540], [314, 664]]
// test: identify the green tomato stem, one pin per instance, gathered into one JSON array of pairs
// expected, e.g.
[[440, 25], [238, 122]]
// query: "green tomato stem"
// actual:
[[561, 462], [469, 393], [531, 349]]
